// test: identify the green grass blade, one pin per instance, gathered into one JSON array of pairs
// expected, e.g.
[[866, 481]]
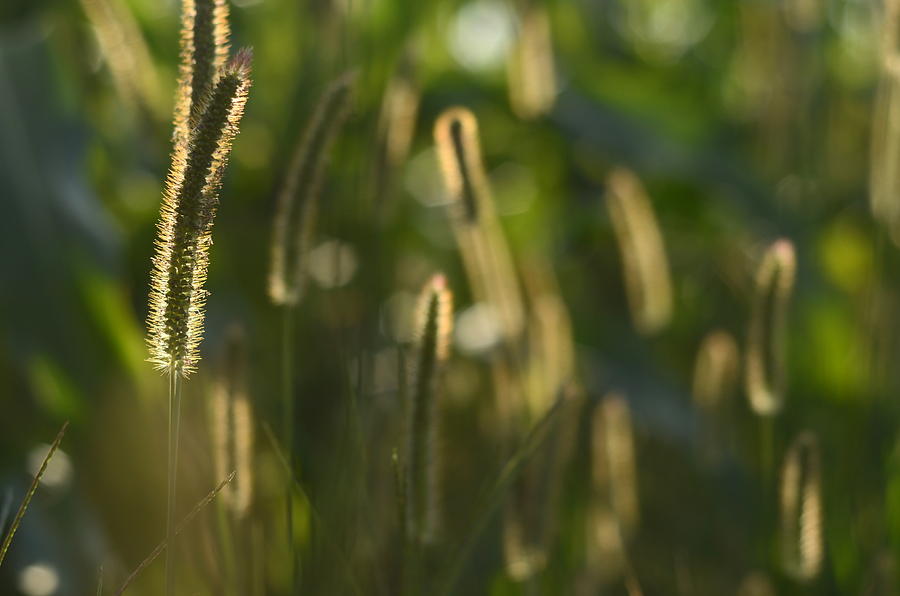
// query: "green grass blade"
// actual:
[[31, 490], [184, 522]]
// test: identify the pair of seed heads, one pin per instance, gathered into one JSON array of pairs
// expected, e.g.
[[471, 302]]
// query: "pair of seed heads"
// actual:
[[212, 93]]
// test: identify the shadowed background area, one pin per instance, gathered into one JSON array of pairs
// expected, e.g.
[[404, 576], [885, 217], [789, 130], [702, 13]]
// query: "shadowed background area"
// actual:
[[641, 160]]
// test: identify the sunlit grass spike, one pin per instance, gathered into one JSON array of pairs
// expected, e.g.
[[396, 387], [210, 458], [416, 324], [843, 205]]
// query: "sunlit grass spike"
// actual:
[[177, 296], [765, 367], [203, 55], [296, 210], [802, 539], [456, 136], [434, 325], [645, 266]]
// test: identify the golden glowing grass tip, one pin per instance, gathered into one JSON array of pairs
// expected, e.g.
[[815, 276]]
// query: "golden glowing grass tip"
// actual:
[[203, 55], [434, 327], [190, 198], [459, 152], [479, 235], [297, 203], [765, 367], [801, 509], [645, 267]]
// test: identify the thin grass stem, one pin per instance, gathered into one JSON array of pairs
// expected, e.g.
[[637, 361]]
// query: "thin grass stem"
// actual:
[[174, 427], [178, 529], [296, 486], [287, 385], [7, 540]]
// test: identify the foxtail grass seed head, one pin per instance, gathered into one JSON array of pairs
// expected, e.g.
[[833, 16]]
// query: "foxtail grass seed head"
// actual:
[[765, 367], [296, 211], [232, 425], [645, 267], [614, 470], [434, 325], [530, 70], [459, 153], [399, 112], [479, 235], [204, 52], [190, 198], [715, 370], [884, 172], [801, 509]]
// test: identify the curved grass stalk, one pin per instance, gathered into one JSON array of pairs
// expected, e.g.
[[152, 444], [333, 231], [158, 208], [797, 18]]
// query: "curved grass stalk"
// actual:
[[17, 520], [154, 554]]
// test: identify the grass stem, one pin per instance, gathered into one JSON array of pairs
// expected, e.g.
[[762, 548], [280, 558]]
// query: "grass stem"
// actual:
[[287, 384], [174, 427], [7, 540]]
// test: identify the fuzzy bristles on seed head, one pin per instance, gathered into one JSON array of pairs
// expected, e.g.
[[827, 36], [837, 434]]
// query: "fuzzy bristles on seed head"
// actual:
[[190, 199], [204, 52], [434, 325]]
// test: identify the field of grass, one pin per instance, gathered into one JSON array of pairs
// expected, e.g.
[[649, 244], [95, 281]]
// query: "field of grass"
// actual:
[[503, 297]]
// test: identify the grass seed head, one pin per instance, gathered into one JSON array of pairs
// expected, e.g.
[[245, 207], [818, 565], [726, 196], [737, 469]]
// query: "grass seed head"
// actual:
[[296, 210], [190, 198]]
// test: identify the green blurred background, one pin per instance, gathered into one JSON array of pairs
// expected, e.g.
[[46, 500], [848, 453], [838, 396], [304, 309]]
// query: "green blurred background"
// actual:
[[746, 121]]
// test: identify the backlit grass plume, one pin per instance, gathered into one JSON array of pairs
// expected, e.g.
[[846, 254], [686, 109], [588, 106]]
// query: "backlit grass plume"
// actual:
[[479, 236], [764, 372], [190, 199], [530, 70], [297, 207], [434, 326], [204, 52], [801, 509], [644, 264]]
